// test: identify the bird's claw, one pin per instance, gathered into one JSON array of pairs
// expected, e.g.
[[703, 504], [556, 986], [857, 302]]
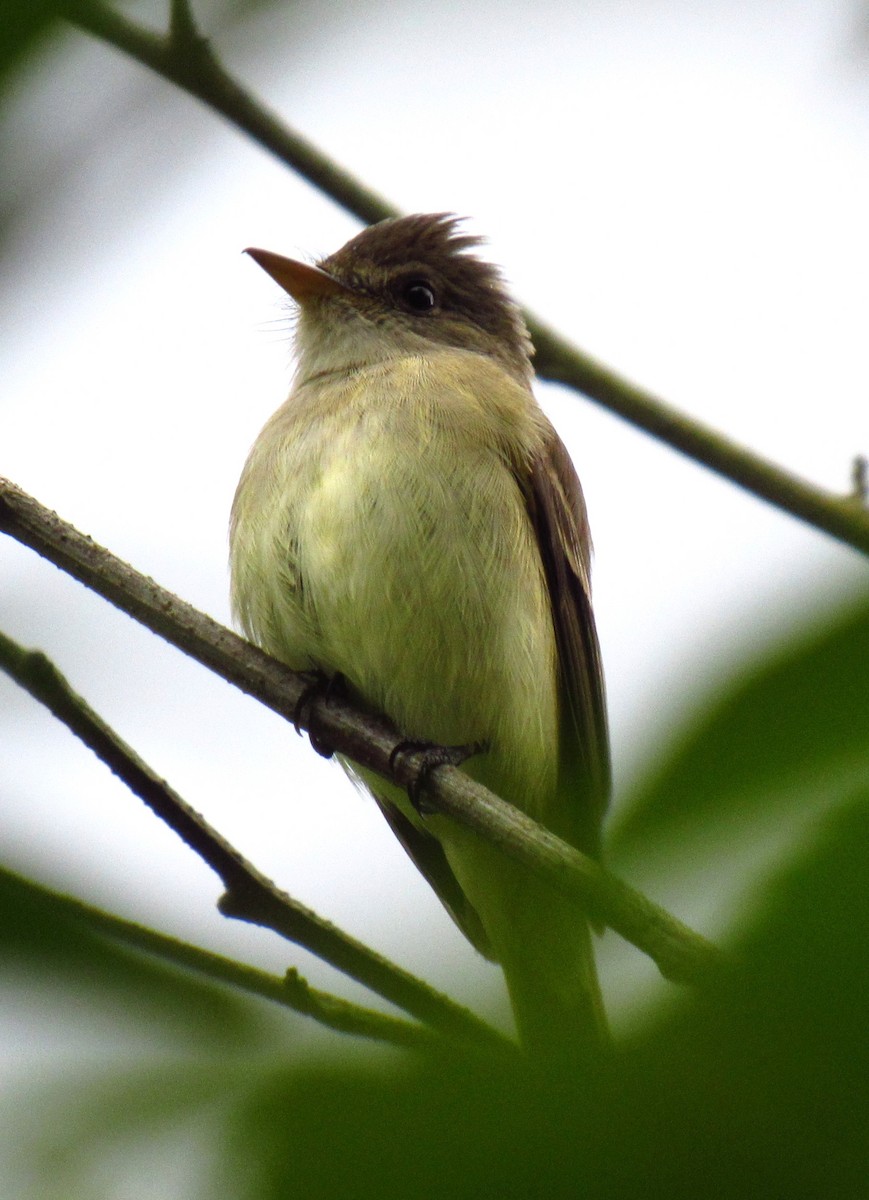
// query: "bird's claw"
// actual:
[[430, 756], [322, 687]]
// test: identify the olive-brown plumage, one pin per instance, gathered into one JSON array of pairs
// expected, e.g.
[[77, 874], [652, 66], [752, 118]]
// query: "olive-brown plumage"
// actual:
[[410, 519]]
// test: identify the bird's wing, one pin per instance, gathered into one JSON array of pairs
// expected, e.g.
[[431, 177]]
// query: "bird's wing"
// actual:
[[428, 857], [557, 510]]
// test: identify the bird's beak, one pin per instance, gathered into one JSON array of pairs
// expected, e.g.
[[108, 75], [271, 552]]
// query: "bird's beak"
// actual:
[[300, 280]]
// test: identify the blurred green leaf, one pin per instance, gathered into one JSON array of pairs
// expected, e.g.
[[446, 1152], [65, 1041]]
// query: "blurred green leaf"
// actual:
[[97, 1138], [789, 738], [759, 1090], [765, 1086], [23, 24], [800, 1009], [41, 933]]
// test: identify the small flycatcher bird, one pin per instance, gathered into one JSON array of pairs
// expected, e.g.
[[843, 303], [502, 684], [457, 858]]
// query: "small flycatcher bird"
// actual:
[[410, 522]]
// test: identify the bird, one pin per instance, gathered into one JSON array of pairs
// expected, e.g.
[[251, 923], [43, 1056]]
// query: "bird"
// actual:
[[409, 523]]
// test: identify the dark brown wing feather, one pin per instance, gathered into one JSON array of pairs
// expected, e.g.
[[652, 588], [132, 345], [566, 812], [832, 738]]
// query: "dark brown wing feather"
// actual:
[[429, 859], [557, 510], [555, 504]]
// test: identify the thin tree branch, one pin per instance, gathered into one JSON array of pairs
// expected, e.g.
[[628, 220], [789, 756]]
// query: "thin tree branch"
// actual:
[[860, 480], [186, 59], [183, 32], [366, 738], [189, 62], [839, 515], [292, 991], [249, 895], [344, 1017]]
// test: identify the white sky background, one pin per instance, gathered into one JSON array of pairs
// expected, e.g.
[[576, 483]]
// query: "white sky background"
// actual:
[[683, 189]]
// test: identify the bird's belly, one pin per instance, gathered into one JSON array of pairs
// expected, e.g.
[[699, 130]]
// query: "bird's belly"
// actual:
[[423, 584]]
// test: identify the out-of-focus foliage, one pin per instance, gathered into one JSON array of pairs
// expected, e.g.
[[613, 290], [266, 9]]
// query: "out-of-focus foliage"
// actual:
[[758, 1089], [22, 25], [45, 940], [789, 739]]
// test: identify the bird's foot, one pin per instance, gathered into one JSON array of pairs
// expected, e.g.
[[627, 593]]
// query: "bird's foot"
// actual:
[[322, 687], [430, 756]]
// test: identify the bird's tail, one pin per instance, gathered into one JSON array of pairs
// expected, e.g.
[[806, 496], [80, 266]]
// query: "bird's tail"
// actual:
[[543, 942], [547, 957]]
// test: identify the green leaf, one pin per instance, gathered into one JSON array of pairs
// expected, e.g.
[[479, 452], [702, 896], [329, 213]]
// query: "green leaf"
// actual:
[[766, 1084], [758, 1090], [23, 26], [789, 739]]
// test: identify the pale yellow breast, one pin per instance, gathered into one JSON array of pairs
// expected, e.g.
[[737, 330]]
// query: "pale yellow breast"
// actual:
[[379, 531]]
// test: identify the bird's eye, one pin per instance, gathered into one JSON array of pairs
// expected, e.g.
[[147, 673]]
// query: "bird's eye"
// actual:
[[419, 295]]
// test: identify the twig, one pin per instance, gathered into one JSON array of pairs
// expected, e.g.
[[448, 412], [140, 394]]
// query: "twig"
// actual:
[[291, 992], [344, 1017], [182, 26], [367, 739], [249, 895], [201, 74], [191, 64], [860, 480], [557, 360], [681, 955]]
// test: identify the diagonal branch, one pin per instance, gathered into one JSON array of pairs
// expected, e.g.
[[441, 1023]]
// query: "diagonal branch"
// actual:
[[366, 738], [291, 992], [186, 59], [249, 895], [182, 25]]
